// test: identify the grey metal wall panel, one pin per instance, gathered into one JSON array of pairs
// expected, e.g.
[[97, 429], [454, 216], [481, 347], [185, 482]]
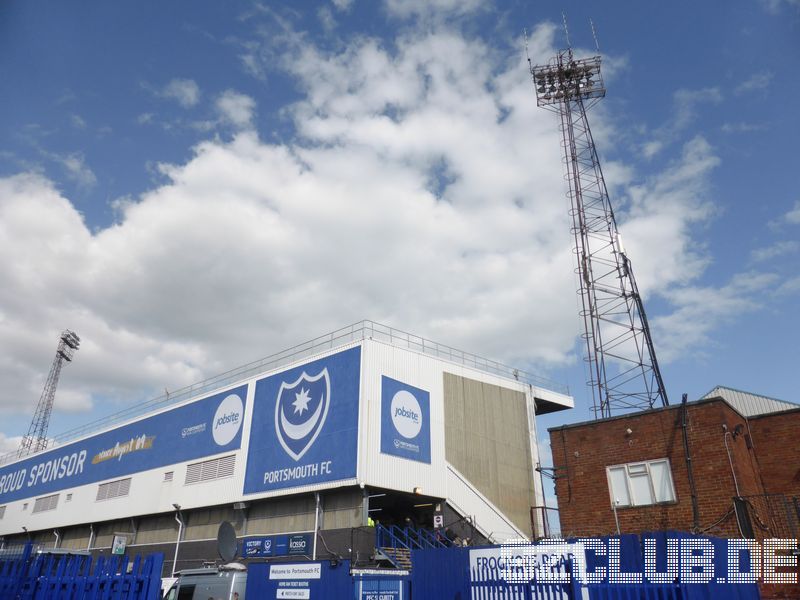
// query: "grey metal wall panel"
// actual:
[[487, 439]]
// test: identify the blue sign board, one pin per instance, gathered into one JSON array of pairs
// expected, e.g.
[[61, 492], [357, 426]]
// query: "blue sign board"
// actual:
[[380, 589], [305, 425], [405, 420], [298, 544], [194, 430]]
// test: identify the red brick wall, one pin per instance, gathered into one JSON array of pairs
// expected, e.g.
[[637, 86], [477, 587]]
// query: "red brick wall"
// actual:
[[776, 438], [581, 454]]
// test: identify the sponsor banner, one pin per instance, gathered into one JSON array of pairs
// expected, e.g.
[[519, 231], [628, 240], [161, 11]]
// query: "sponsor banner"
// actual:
[[296, 571], [195, 430], [405, 420], [305, 425], [279, 545]]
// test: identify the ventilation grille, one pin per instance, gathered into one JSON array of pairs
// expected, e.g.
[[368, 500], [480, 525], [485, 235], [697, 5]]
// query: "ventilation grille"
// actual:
[[216, 468], [69, 498], [2, 511], [169, 475], [114, 489], [45, 503]]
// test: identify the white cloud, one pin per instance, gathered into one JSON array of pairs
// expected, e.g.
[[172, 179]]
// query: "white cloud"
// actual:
[[76, 169], [424, 189], [685, 108], [326, 18], [185, 92], [77, 121], [742, 127], [9, 443], [687, 101], [775, 6], [657, 225], [700, 310], [429, 8], [236, 109], [793, 216], [343, 5], [757, 82], [790, 286], [775, 250]]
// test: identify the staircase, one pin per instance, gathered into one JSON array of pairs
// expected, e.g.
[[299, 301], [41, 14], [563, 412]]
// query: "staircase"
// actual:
[[399, 557], [394, 543]]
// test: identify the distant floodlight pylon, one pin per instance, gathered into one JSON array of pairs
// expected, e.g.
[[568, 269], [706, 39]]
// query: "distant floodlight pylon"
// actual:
[[36, 439]]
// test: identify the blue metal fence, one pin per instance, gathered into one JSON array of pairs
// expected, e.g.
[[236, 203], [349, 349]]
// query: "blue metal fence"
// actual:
[[449, 573], [48, 576]]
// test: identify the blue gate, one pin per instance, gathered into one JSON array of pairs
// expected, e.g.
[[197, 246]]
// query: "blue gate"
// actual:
[[29, 575]]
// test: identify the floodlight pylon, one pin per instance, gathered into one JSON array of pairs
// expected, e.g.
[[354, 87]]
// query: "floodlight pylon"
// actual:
[[623, 371]]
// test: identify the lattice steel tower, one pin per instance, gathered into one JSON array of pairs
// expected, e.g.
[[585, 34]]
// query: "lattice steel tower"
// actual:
[[622, 365], [37, 433]]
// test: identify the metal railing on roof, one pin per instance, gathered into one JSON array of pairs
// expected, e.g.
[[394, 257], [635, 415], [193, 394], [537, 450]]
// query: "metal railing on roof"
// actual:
[[356, 332]]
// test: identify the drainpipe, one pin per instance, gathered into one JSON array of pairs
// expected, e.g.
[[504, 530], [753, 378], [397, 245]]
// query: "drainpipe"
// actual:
[[690, 472], [58, 538], [91, 537], [180, 533], [730, 459], [316, 526]]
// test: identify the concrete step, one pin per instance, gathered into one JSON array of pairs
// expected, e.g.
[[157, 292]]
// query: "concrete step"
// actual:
[[400, 556]]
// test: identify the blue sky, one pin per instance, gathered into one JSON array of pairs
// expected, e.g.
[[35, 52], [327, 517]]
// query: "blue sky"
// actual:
[[194, 185]]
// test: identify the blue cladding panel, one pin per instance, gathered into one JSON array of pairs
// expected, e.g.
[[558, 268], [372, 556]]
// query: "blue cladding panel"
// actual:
[[188, 432], [405, 421], [305, 425]]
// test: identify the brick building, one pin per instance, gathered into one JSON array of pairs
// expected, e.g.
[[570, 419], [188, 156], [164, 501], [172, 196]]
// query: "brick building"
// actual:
[[726, 465]]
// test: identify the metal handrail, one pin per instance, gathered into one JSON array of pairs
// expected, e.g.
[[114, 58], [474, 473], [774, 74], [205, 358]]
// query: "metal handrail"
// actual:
[[361, 330]]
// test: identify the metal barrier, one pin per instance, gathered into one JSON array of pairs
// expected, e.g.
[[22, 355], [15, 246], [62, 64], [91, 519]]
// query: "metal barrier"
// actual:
[[46, 575], [408, 538], [545, 522]]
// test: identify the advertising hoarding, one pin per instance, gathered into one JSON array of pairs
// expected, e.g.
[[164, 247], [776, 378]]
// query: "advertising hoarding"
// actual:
[[405, 420], [305, 424], [202, 428]]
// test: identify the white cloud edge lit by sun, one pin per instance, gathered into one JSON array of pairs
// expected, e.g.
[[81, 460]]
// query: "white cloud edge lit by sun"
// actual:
[[343, 226]]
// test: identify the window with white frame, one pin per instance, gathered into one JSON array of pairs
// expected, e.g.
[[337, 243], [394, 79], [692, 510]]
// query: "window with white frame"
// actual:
[[641, 483]]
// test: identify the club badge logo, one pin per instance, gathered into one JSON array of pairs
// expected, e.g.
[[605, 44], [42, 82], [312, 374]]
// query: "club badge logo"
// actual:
[[300, 412]]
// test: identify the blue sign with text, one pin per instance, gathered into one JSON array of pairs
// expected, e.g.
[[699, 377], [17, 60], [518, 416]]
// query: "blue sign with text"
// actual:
[[297, 544], [305, 425], [405, 420], [194, 430]]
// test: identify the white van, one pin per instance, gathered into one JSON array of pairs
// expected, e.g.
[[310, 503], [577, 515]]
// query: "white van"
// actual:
[[226, 582]]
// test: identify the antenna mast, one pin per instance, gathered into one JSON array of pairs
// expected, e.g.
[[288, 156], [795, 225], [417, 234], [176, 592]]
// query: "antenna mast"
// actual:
[[36, 439], [623, 370]]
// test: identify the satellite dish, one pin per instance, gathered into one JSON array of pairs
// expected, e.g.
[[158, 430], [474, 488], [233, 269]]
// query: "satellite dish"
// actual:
[[226, 541]]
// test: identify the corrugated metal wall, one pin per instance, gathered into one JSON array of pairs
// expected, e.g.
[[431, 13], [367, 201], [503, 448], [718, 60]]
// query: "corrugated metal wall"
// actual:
[[488, 442]]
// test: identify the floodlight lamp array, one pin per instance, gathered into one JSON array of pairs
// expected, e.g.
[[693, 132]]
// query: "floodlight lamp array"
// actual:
[[568, 80]]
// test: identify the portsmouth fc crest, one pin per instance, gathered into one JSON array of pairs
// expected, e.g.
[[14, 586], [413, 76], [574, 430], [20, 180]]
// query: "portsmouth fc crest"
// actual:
[[300, 412]]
